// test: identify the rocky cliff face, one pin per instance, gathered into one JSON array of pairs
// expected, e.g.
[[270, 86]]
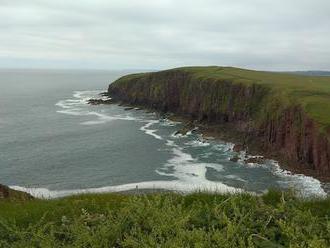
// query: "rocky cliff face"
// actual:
[[254, 109], [297, 138]]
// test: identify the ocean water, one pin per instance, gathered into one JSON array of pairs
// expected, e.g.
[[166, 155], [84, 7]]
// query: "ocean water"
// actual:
[[53, 144]]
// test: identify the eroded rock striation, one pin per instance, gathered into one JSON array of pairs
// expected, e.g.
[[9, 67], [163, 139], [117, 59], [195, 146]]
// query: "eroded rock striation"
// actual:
[[257, 105]]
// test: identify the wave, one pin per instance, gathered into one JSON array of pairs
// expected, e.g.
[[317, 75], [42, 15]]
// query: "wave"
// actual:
[[176, 185], [223, 146], [235, 177], [151, 132], [168, 123], [190, 171], [78, 107], [305, 186], [197, 143]]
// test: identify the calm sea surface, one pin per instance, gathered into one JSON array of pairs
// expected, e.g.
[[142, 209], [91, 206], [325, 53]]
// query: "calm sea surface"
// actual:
[[53, 144]]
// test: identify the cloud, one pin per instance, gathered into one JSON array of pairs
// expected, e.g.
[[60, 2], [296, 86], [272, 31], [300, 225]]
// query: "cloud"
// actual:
[[121, 34]]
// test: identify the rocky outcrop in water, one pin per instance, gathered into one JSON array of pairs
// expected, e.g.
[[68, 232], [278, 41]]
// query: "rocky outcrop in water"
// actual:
[[99, 101]]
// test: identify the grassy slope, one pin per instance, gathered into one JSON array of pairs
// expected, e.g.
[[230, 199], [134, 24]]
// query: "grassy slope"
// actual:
[[166, 220], [312, 93]]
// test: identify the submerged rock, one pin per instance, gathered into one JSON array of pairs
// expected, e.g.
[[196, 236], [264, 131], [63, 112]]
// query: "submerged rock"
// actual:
[[187, 128], [99, 101], [255, 160], [207, 137], [104, 94], [238, 148], [234, 159], [182, 131]]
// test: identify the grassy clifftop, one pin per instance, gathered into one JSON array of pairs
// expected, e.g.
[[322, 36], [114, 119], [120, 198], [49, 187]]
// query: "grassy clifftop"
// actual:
[[310, 92], [167, 220]]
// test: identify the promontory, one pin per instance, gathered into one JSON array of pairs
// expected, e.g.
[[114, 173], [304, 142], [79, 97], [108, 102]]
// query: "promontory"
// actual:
[[284, 115]]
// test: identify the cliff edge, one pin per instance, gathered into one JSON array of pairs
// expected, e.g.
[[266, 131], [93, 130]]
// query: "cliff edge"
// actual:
[[287, 115], [7, 193]]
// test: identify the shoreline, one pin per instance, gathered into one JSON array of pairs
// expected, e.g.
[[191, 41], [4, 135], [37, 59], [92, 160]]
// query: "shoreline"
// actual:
[[226, 133]]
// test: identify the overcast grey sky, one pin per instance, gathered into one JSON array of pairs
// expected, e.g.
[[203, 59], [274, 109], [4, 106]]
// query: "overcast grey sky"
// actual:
[[154, 34]]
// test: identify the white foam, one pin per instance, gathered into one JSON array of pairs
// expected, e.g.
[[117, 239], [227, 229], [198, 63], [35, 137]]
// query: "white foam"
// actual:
[[197, 143], [190, 176], [77, 107], [151, 132], [306, 186], [192, 130], [176, 135], [190, 171], [175, 185], [235, 177], [168, 123], [223, 147]]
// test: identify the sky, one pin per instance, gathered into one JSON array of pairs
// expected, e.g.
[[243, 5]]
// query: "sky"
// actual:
[[158, 34]]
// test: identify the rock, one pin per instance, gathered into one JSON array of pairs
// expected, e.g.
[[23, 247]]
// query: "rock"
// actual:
[[234, 159], [238, 148], [99, 101], [128, 108], [177, 133], [255, 160], [182, 131], [4, 191], [104, 94], [188, 127], [195, 130]]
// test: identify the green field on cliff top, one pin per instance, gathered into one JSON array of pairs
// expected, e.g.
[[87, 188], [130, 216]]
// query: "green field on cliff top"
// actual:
[[274, 219], [310, 92]]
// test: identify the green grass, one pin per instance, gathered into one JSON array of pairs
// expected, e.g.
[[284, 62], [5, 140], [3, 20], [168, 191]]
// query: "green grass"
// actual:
[[310, 92], [275, 219]]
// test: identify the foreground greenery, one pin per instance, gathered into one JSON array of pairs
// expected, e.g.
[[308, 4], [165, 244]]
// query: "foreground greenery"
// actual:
[[166, 220]]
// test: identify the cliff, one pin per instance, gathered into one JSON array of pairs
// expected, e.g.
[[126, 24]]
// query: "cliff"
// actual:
[[7, 193], [288, 115]]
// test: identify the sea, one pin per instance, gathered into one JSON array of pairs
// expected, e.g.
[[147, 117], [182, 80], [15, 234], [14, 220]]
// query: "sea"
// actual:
[[54, 144]]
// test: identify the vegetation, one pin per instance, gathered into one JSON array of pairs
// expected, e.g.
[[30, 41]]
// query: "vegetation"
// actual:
[[312, 93], [275, 219]]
